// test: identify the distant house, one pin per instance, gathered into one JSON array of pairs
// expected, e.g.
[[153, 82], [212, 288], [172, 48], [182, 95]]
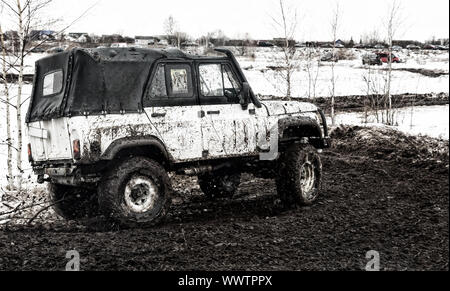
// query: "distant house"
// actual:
[[80, 37], [76, 35], [264, 43], [145, 40], [189, 44], [163, 42], [312, 44], [114, 38], [42, 34], [282, 42], [119, 45]]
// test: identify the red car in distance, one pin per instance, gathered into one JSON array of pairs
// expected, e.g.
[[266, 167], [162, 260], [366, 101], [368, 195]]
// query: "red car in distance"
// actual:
[[384, 57]]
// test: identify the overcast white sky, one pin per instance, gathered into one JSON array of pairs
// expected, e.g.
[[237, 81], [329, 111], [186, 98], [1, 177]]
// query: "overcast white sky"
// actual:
[[421, 19]]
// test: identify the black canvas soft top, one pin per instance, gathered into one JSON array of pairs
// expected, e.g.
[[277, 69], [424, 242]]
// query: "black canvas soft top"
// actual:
[[95, 81]]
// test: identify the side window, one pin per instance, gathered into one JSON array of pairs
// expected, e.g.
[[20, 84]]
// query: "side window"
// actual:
[[180, 80], [211, 80], [53, 83], [158, 87], [172, 81], [218, 80]]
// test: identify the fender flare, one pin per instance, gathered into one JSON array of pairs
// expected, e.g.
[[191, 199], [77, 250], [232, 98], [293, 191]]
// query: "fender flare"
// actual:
[[132, 142], [300, 121]]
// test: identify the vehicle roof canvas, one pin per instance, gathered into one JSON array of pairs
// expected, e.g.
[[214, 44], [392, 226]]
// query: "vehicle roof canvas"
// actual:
[[95, 81]]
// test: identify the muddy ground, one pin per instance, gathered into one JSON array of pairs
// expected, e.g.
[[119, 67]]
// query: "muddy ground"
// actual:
[[382, 191]]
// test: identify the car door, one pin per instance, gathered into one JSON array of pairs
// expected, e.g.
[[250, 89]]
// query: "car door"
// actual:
[[227, 129], [172, 108]]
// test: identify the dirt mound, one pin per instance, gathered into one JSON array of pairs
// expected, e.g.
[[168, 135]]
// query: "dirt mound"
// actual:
[[384, 143]]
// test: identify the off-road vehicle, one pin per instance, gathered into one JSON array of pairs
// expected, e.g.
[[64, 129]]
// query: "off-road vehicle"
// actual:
[[372, 60], [109, 127]]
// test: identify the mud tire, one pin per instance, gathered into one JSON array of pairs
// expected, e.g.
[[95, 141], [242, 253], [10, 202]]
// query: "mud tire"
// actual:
[[114, 193], [295, 164]]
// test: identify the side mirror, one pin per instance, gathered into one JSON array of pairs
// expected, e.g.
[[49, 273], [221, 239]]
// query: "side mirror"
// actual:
[[244, 97]]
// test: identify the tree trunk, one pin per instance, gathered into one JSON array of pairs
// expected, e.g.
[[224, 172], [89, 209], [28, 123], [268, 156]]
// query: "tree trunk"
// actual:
[[10, 177], [333, 94], [19, 95], [288, 83], [367, 99], [389, 116]]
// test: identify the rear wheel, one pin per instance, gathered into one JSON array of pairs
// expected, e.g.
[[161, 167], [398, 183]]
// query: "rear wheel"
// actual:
[[300, 175], [136, 192], [219, 184], [73, 203]]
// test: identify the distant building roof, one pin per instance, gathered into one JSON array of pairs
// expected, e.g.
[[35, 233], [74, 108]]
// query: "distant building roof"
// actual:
[[145, 37], [77, 34]]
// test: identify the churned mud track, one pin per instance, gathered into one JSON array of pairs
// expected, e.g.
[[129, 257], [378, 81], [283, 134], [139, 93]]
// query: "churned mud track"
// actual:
[[376, 196]]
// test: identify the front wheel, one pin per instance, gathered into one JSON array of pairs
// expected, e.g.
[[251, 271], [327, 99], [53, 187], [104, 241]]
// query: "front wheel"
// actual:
[[299, 175], [135, 192]]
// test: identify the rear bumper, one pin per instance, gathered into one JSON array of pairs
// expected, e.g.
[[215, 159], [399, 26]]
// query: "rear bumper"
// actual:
[[71, 175]]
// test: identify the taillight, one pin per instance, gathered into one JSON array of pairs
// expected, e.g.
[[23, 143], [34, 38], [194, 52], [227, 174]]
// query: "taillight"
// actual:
[[30, 154], [76, 149]]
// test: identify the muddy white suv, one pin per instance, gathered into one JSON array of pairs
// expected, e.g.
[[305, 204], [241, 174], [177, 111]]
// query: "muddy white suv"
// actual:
[[107, 126]]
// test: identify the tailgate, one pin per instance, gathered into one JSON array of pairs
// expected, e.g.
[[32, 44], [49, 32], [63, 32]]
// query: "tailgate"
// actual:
[[50, 140]]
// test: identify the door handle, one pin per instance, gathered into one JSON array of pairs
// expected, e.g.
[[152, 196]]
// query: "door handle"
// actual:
[[213, 112], [156, 115]]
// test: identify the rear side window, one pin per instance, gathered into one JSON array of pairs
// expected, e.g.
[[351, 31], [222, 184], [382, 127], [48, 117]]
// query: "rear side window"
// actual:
[[180, 80], [172, 81], [158, 87], [53, 83]]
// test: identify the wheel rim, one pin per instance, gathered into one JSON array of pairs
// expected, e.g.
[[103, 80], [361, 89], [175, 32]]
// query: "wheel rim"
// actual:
[[141, 194], [308, 180]]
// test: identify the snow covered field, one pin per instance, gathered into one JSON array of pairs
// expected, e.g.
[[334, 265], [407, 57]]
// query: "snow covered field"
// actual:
[[431, 121], [29, 63], [350, 74]]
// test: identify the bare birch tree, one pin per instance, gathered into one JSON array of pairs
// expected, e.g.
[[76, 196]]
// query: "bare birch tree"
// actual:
[[368, 80], [312, 66], [334, 33], [286, 23], [393, 23], [170, 28], [26, 16], [6, 102]]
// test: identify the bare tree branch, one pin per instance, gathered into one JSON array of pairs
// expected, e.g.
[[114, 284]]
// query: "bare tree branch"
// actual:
[[334, 31], [286, 24]]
